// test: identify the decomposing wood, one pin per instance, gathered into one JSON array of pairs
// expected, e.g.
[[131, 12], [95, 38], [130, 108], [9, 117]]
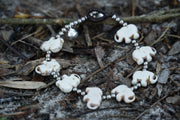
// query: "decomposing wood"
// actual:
[[156, 16]]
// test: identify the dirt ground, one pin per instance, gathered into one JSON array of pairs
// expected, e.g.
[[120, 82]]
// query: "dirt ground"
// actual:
[[20, 95]]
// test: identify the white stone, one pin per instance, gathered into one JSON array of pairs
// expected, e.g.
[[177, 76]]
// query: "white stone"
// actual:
[[93, 97], [53, 44], [68, 82], [72, 33], [123, 93], [145, 52], [144, 77], [126, 33], [47, 67]]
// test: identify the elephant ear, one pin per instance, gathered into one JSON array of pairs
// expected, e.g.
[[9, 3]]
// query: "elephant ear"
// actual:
[[154, 50], [154, 79]]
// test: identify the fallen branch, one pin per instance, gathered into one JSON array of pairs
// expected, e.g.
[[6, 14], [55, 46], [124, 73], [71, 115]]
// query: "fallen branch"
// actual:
[[155, 16]]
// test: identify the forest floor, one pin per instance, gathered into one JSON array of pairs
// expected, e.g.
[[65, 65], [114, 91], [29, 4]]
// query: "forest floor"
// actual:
[[94, 55]]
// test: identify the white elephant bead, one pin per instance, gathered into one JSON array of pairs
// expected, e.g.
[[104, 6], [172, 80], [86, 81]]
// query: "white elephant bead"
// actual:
[[144, 77], [126, 33], [53, 44], [93, 97], [47, 67], [145, 52], [124, 93], [68, 82]]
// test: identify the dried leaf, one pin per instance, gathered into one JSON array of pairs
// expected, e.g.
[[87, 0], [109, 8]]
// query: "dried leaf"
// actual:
[[99, 51], [21, 15], [22, 84]]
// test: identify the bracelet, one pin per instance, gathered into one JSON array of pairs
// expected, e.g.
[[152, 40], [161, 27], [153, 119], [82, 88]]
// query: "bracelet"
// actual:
[[128, 33]]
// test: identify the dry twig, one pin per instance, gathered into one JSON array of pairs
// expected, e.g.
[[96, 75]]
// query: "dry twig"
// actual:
[[156, 16]]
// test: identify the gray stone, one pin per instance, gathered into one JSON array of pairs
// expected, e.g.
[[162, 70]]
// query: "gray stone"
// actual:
[[150, 38], [175, 48], [173, 100], [163, 77]]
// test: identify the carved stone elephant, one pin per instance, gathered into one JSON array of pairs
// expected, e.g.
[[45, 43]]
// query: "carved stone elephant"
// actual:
[[146, 52], [68, 82], [53, 44], [93, 97], [47, 67], [126, 34], [124, 93], [144, 77]]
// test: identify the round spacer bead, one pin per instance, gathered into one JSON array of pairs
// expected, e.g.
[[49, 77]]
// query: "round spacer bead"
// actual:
[[121, 21], [67, 26], [124, 24], [104, 97], [74, 89], [55, 76], [114, 17], [136, 44], [137, 47], [117, 19], [83, 18], [133, 41], [57, 73], [83, 93], [71, 24], [48, 59], [78, 91], [79, 21], [63, 29], [53, 73], [132, 88], [146, 63], [145, 66], [135, 87], [48, 55], [58, 78], [139, 84], [57, 36], [48, 52], [113, 95], [75, 22], [108, 96], [61, 33]]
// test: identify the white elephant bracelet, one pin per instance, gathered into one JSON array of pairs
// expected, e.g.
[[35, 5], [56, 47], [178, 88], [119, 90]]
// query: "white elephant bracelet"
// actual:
[[94, 95]]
